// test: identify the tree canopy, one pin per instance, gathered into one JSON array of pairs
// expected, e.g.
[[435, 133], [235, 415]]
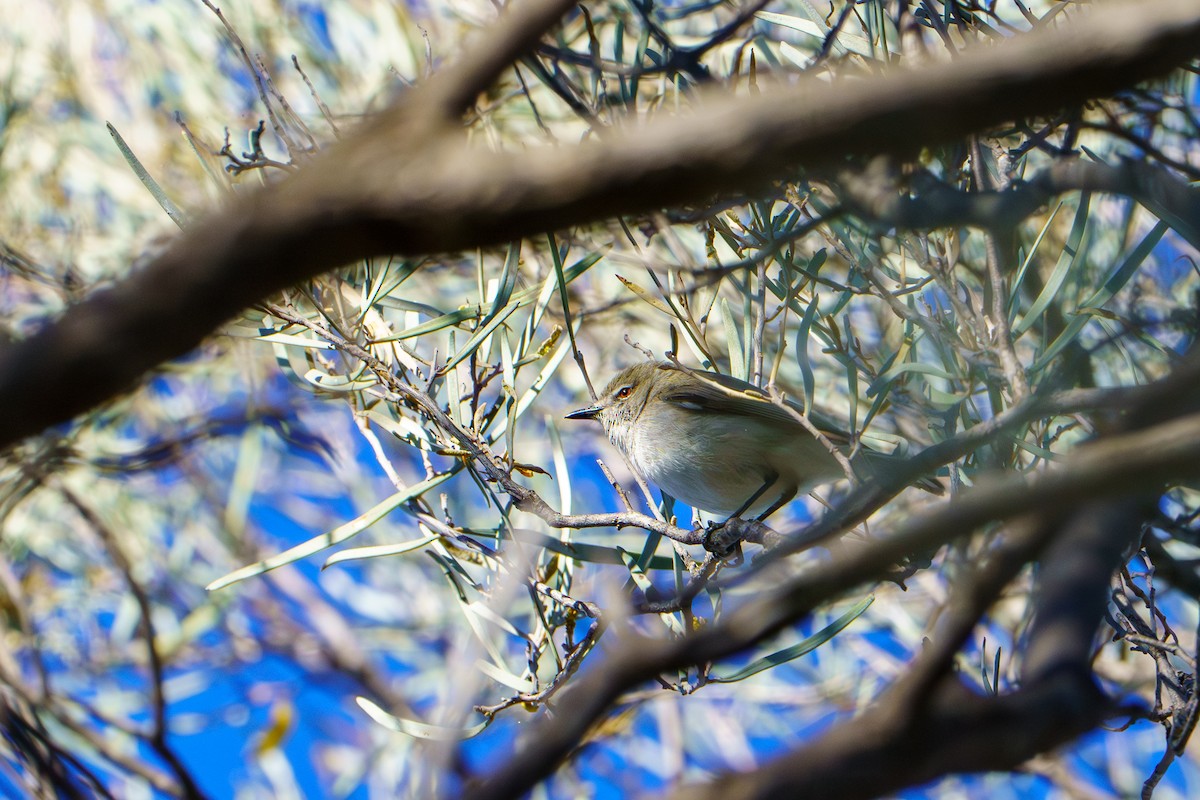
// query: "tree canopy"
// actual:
[[289, 505]]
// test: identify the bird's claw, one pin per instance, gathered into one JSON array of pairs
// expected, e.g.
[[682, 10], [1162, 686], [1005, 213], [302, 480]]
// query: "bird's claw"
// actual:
[[723, 541]]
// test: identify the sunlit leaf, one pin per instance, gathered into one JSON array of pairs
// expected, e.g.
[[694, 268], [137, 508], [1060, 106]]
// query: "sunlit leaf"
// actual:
[[418, 730]]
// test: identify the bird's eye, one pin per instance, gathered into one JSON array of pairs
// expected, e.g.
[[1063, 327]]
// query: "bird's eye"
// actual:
[[624, 392]]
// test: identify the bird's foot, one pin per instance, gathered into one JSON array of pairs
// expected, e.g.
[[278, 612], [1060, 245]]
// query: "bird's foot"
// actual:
[[724, 541]]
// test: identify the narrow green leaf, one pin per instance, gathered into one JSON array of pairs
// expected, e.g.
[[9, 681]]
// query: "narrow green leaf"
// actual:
[[336, 536], [402, 427], [438, 323], [505, 678], [454, 573], [478, 338], [561, 280], [619, 56], [396, 276], [1071, 255], [294, 363], [636, 573], [294, 340], [1121, 275], [418, 730], [1041, 452], [737, 365], [639, 59], [883, 383], [521, 298], [806, 370], [586, 553], [646, 297], [245, 475], [648, 549], [476, 614], [508, 279], [337, 383], [1013, 293], [549, 285], [797, 650], [1113, 284], [851, 376], [996, 673], [487, 614], [797, 57], [638, 576], [539, 383], [378, 551], [205, 157], [176, 214], [843, 43], [454, 384], [562, 472], [402, 304], [509, 389]]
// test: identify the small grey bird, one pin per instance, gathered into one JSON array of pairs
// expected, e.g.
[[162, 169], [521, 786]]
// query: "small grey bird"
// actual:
[[718, 443]]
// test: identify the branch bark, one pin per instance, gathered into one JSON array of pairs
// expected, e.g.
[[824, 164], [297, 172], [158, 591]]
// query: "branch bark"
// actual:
[[874, 193], [910, 737]]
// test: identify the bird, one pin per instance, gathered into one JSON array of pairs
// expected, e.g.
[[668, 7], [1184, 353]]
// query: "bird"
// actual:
[[719, 444]]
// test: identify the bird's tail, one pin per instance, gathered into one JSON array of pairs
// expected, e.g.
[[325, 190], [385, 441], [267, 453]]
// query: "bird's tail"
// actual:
[[872, 463]]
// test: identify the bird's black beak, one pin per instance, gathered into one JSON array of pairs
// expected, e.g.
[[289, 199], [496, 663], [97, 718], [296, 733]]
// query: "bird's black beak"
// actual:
[[591, 412]]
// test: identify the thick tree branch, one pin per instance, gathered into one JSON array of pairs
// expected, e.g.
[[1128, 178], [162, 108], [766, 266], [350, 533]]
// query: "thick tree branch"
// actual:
[[955, 731], [875, 194], [401, 185], [928, 724]]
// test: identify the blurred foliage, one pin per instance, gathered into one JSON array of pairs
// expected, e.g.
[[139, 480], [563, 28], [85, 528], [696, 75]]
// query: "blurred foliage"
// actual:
[[245, 462]]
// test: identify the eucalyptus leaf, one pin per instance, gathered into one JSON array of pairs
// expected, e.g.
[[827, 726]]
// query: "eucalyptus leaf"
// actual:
[[802, 648], [336, 536], [418, 730]]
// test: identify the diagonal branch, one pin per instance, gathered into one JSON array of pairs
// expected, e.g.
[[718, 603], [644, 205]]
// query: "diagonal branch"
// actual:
[[929, 724]]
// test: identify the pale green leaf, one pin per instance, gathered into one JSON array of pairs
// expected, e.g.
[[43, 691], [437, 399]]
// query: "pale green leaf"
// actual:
[[795, 651], [418, 730], [336, 536]]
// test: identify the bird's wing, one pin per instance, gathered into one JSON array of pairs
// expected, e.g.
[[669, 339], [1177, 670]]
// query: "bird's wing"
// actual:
[[729, 395]]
